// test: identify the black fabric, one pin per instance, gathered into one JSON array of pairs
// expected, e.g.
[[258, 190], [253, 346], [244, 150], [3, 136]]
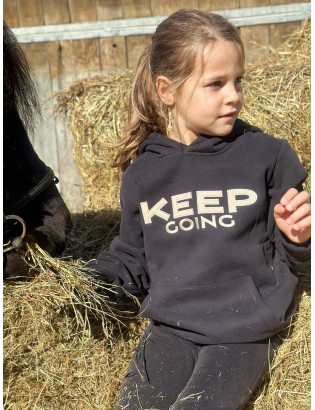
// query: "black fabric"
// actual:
[[167, 372], [198, 237]]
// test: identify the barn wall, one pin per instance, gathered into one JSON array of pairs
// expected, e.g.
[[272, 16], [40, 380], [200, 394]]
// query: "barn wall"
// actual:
[[56, 64]]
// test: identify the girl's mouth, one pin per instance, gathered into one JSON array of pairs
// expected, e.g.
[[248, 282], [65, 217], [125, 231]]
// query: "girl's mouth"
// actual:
[[229, 116]]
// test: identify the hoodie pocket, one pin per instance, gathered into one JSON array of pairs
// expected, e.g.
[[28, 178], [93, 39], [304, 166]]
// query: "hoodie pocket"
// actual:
[[229, 312]]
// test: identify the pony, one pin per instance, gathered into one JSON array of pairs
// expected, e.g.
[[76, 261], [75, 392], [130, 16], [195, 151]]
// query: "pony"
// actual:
[[32, 205]]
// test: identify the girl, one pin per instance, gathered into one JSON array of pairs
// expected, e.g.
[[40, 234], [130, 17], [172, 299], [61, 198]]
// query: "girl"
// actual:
[[214, 221]]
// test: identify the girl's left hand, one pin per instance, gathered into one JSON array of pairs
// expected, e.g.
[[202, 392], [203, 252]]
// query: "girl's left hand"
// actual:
[[293, 215]]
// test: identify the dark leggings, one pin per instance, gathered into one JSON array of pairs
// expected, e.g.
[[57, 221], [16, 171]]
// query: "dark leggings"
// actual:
[[168, 372]]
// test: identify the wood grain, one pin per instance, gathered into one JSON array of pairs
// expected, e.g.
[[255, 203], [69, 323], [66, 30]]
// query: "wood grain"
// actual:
[[166, 7], [56, 12], [135, 47], [82, 10], [30, 13], [87, 57], [10, 13], [113, 53], [109, 10], [256, 41]]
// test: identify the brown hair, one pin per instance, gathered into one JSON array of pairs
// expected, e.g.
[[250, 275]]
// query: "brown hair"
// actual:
[[177, 42]]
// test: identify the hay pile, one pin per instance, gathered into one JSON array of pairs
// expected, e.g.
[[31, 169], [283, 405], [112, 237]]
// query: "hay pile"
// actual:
[[288, 383], [67, 346], [96, 111], [277, 93], [65, 337]]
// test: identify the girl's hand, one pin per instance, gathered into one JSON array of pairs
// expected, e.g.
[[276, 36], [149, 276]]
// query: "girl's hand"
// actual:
[[293, 215]]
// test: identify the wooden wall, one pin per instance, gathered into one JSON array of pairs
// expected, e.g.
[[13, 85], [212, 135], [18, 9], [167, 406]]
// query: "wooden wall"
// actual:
[[58, 63]]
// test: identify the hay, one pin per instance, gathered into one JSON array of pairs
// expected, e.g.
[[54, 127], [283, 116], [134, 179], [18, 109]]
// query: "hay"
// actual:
[[65, 337], [96, 111], [288, 383], [65, 344], [277, 93]]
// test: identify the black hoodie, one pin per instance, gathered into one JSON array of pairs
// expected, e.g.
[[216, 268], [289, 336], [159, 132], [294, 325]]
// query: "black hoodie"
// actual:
[[198, 235]]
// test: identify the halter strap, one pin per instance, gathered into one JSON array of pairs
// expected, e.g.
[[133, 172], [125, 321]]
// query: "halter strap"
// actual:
[[28, 196]]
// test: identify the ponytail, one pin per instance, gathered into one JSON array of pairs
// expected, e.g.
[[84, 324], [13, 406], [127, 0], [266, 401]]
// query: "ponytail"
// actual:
[[147, 113]]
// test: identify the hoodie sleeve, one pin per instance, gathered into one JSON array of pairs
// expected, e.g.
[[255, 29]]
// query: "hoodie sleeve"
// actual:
[[287, 173], [125, 263]]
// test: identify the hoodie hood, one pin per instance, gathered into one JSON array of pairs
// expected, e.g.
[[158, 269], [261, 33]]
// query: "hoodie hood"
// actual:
[[161, 145]]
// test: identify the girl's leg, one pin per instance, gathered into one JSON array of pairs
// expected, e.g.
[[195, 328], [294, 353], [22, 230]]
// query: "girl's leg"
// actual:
[[225, 376], [158, 371]]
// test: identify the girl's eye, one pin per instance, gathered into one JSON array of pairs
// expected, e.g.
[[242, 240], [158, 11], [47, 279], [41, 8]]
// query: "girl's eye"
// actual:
[[215, 84], [239, 79]]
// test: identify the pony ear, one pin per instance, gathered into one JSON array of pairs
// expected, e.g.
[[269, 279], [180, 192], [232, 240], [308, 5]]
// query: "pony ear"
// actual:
[[164, 89]]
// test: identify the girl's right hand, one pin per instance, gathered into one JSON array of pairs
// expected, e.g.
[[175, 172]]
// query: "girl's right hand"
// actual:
[[293, 215]]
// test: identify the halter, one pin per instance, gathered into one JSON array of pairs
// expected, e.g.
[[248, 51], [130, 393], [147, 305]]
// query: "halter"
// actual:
[[19, 203]]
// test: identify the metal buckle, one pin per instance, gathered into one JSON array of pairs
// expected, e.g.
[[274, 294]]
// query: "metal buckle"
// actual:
[[18, 241]]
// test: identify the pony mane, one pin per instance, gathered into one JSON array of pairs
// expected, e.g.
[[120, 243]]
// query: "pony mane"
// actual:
[[19, 88]]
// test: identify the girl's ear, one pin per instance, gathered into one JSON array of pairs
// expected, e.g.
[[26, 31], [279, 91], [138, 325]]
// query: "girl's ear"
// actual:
[[164, 90]]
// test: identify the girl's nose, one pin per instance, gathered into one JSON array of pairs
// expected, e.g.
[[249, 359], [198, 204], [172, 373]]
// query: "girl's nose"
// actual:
[[233, 94]]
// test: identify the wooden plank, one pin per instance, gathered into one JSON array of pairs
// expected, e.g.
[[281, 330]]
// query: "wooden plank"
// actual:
[[275, 2], [56, 11], [166, 7], [62, 72], [256, 41], [70, 185], [30, 13], [10, 13], [109, 10], [62, 64], [87, 57], [113, 53], [45, 139], [136, 8], [213, 5], [135, 47], [250, 16], [279, 33], [254, 3], [52, 142], [256, 34], [82, 10]]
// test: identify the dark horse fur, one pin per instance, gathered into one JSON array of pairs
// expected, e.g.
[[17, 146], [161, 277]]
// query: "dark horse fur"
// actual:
[[47, 217]]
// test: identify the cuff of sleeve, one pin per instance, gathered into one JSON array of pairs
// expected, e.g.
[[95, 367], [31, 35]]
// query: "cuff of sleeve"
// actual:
[[96, 272], [297, 254]]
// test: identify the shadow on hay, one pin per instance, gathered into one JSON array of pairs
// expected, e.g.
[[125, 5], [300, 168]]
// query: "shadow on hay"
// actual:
[[93, 231]]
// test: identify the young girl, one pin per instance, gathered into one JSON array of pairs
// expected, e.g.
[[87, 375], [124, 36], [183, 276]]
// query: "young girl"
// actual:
[[214, 220]]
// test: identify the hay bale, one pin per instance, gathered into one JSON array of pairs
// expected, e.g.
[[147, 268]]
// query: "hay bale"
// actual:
[[277, 93], [96, 111]]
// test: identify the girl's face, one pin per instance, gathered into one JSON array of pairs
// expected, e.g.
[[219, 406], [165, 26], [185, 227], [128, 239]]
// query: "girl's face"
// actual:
[[210, 100]]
